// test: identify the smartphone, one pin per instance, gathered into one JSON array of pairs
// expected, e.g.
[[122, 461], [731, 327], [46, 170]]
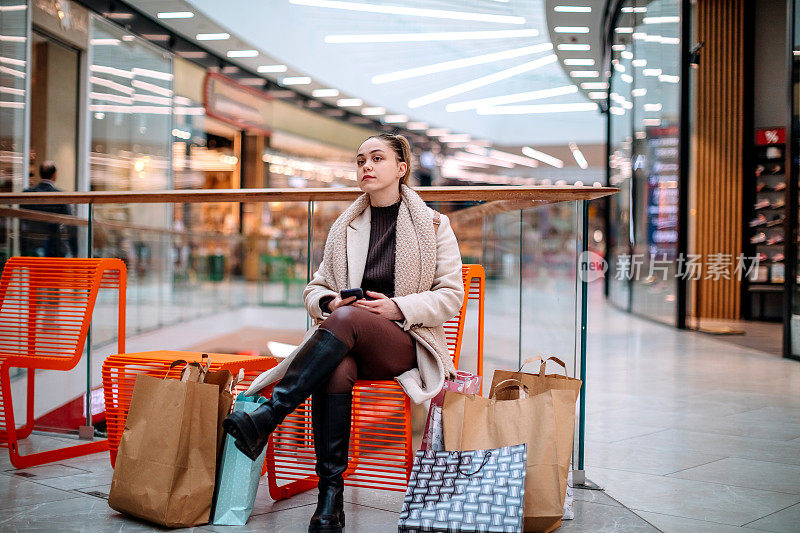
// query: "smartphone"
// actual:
[[347, 293]]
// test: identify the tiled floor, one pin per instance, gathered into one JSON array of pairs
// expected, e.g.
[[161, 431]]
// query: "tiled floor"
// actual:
[[686, 432]]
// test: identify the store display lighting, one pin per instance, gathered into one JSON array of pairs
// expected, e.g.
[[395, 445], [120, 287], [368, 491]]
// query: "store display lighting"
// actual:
[[122, 73], [571, 29], [272, 68], [616, 110], [537, 109], [416, 126], [652, 72], [242, 53], [618, 47], [153, 88], [627, 78], [349, 102], [543, 157], [11, 61], [108, 83], [578, 155], [618, 67], [634, 10], [512, 98], [584, 74], [567, 47], [652, 122], [576, 62], [155, 74], [373, 111], [661, 20], [437, 132], [8, 9], [623, 29], [128, 38], [395, 119], [652, 107], [669, 79], [461, 63], [10, 90], [600, 95], [639, 92], [295, 80], [572, 9], [626, 55], [12, 105], [639, 62], [212, 36], [324, 93], [429, 37], [482, 81], [588, 85], [181, 134], [410, 11], [102, 42], [175, 15]]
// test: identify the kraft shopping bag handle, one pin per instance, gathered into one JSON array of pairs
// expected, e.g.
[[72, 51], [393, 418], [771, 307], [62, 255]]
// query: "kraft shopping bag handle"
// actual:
[[486, 456], [173, 365], [512, 384], [531, 360], [556, 360]]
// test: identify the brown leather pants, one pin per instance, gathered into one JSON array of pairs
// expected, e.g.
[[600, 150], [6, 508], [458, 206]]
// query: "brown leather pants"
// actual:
[[378, 348]]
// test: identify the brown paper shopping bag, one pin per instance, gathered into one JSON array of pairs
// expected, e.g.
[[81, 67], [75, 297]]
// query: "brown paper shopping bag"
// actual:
[[473, 423], [167, 455], [565, 420]]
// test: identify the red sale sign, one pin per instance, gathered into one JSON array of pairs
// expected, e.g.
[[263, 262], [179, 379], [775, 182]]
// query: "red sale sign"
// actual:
[[766, 136]]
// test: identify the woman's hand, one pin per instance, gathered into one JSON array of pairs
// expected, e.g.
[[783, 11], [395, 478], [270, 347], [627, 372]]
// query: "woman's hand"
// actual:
[[381, 305], [338, 302]]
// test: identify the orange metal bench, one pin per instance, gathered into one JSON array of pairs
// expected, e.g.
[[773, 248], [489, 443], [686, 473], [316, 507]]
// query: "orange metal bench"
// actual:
[[120, 371], [46, 307], [380, 443]]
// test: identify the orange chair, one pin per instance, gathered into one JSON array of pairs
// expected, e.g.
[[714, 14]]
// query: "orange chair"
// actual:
[[120, 371], [380, 445], [46, 307]]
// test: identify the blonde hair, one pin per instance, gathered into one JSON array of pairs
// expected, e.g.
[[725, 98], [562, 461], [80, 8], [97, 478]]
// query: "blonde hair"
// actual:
[[402, 150]]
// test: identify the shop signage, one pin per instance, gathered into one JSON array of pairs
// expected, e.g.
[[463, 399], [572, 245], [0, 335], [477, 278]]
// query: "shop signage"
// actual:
[[236, 104], [766, 136], [69, 21], [662, 191]]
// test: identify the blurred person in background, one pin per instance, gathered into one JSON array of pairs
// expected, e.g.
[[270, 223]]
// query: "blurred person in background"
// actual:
[[405, 259], [44, 239]]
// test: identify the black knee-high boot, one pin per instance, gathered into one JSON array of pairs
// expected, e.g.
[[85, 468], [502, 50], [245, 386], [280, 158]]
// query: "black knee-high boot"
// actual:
[[319, 356], [330, 416]]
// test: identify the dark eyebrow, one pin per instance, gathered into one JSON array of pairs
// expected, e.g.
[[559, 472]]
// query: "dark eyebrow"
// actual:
[[372, 152]]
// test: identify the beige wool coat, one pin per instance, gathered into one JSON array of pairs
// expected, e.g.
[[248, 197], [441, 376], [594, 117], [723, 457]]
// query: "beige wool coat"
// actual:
[[428, 286]]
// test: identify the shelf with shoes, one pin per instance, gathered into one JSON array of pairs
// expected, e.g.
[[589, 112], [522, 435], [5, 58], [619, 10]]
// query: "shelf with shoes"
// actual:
[[765, 218]]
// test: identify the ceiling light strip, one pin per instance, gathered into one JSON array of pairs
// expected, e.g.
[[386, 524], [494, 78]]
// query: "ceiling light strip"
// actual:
[[431, 36], [411, 11], [481, 82], [461, 63], [512, 98], [543, 157], [537, 109], [578, 155]]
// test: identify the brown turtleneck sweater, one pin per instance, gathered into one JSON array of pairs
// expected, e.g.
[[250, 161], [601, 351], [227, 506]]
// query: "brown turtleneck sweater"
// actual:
[[379, 269]]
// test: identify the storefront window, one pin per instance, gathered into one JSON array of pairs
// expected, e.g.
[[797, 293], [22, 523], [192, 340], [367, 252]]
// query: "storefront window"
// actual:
[[793, 326], [13, 66], [644, 158]]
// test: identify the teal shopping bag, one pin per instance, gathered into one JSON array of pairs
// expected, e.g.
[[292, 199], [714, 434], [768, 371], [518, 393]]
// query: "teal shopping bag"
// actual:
[[237, 481]]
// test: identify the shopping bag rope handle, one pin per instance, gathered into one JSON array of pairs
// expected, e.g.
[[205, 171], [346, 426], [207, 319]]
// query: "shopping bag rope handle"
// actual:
[[512, 383], [174, 364], [486, 456], [543, 363]]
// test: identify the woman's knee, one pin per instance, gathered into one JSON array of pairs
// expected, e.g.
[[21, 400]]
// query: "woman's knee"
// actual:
[[342, 323]]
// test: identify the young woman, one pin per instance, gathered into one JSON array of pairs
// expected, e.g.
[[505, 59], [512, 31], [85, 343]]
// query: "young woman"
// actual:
[[405, 257]]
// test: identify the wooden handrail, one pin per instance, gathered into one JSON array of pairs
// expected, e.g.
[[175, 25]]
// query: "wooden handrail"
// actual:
[[536, 195]]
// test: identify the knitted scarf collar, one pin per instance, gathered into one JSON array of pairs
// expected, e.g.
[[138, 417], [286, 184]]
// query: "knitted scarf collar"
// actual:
[[415, 252]]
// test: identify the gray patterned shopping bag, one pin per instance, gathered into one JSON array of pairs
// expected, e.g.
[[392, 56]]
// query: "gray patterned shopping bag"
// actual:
[[465, 491]]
